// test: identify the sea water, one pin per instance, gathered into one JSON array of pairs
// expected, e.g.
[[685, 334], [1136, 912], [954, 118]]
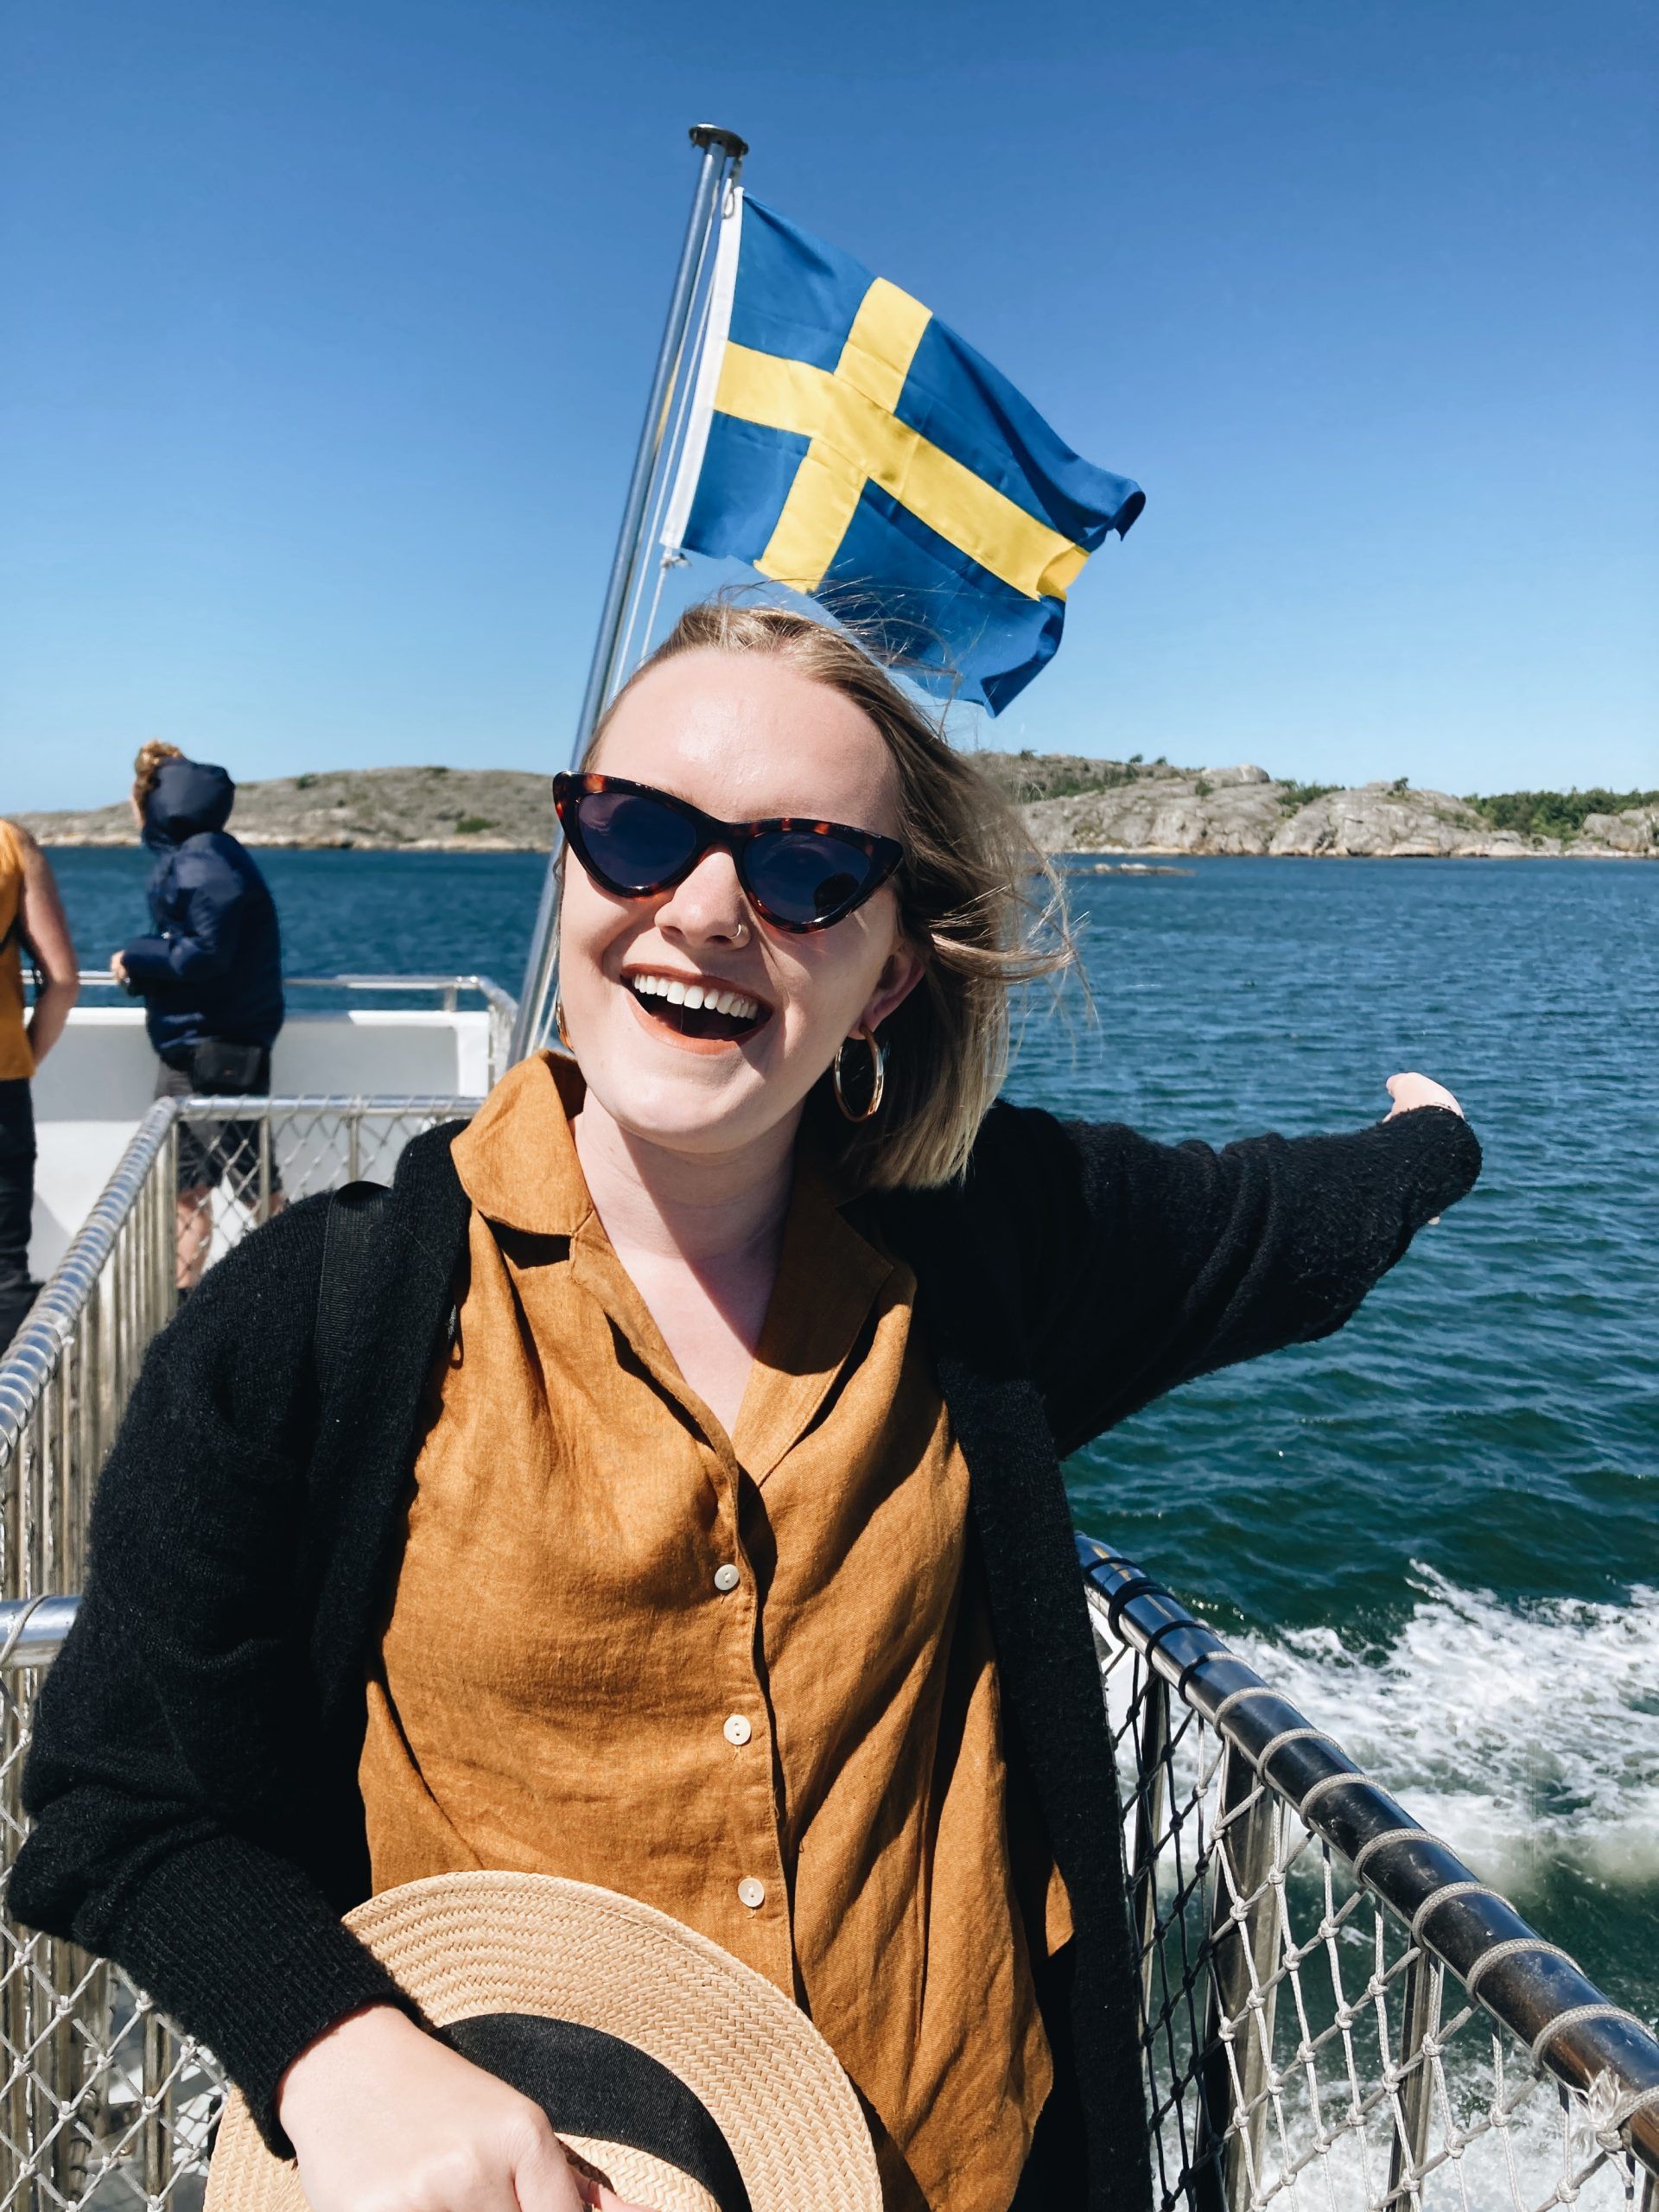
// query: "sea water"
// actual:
[[1438, 1531]]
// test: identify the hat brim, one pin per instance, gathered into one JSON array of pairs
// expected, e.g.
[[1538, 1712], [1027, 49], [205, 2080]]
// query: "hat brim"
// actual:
[[490, 1949]]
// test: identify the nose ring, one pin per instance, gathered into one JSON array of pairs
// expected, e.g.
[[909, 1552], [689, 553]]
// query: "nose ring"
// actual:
[[742, 935]]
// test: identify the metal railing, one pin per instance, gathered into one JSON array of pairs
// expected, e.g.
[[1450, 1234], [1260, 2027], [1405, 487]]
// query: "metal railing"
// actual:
[[1336, 2010], [68, 1375], [1338, 2016]]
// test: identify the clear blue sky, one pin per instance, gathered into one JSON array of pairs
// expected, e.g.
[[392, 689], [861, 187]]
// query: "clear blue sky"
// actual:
[[325, 325]]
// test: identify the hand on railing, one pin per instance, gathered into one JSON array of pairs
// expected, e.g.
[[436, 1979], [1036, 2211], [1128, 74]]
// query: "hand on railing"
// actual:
[[386, 2119]]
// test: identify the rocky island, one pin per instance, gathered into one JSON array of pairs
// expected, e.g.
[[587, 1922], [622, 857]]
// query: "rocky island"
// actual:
[[1074, 805]]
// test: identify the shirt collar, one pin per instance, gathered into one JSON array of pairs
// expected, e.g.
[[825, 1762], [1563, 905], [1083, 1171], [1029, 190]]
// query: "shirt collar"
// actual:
[[516, 1158], [517, 1161]]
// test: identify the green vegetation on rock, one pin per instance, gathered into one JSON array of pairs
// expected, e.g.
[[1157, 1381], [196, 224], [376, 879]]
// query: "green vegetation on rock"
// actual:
[[1554, 814]]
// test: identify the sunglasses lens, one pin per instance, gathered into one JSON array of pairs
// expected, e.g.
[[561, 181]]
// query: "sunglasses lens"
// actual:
[[801, 877], [634, 842]]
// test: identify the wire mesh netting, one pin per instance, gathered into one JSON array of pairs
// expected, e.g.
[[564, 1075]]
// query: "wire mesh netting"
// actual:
[[1302, 2049], [240, 1168], [102, 2104]]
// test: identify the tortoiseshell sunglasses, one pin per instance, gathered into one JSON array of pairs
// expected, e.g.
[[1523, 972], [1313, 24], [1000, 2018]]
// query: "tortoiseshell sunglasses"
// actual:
[[798, 874]]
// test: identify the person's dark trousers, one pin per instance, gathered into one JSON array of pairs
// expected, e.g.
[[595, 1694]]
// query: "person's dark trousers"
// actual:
[[17, 1287]]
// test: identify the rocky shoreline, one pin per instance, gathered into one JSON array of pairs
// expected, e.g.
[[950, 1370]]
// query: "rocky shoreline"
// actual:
[[1073, 805], [1180, 813]]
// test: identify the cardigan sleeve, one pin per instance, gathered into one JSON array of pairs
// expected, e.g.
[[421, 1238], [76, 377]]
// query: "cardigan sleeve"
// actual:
[[166, 1773], [1141, 1265]]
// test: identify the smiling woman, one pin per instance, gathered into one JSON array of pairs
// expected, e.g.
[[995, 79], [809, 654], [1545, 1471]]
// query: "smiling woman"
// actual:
[[750, 711], [725, 1362]]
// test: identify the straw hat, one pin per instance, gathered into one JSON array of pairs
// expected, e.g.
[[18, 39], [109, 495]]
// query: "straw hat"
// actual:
[[678, 2075]]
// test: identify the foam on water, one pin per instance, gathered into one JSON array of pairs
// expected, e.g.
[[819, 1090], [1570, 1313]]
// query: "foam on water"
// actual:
[[1525, 1733]]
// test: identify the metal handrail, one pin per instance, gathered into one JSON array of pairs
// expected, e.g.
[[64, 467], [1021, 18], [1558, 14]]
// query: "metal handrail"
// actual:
[[38, 1345], [33, 1631], [500, 1008], [487, 989], [1530, 1986]]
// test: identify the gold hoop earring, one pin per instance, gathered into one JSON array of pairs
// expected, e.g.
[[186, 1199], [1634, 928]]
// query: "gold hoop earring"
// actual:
[[878, 1053], [558, 1024]]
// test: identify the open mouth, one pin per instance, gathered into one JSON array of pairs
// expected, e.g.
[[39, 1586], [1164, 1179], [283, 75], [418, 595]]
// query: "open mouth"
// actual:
[[709, 1009]]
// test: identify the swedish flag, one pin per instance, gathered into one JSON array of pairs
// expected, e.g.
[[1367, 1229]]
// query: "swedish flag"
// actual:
[[847, 444]]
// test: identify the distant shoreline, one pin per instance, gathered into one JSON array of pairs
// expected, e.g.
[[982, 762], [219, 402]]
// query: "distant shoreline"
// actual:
[[1072, 805], [1115, 860]]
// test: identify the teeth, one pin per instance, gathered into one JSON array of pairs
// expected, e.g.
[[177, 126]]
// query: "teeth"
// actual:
[[693, 995]]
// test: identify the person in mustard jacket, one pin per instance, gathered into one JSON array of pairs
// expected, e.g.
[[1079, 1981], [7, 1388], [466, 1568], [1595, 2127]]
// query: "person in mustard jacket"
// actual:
[[31, 920]]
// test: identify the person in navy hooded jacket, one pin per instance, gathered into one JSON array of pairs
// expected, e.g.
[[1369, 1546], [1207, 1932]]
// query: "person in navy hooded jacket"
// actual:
[[210, 972]]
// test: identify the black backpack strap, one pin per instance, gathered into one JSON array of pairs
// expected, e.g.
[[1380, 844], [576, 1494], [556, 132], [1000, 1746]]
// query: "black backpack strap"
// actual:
[[350, 1243]]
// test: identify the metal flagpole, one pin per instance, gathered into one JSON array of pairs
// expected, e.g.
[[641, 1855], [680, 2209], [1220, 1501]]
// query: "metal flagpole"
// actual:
[[721, 151]]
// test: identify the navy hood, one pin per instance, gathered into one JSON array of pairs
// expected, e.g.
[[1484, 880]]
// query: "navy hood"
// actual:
[[188, 797]]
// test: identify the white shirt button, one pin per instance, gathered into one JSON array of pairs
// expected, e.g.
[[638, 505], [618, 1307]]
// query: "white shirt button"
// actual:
[[751, 1893], [727, 1579], [738, 1730]]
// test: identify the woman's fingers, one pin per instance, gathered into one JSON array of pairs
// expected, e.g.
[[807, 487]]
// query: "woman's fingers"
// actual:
[[1410, 1091], [543, 2179], [605, 2200], [386, 2119]]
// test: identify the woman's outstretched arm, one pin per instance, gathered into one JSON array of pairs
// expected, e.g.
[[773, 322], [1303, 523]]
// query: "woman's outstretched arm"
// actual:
[[1143, 1265]]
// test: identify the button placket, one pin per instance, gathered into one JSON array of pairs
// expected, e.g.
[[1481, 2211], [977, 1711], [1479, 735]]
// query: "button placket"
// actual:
[[756, 1835]]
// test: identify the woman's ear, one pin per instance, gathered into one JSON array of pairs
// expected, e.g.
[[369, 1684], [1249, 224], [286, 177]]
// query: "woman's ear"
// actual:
[[897, 979]]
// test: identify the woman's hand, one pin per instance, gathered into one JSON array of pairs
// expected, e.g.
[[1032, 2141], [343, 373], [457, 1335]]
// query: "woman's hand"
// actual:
[[1410, 1091], [386, 2119]]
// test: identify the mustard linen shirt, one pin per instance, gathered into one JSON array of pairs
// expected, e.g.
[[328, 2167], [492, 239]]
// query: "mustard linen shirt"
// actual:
[[748, 1679]]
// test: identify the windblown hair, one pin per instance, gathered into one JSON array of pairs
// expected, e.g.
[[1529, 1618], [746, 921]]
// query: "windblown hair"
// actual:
[[978, 902], [152, 756]]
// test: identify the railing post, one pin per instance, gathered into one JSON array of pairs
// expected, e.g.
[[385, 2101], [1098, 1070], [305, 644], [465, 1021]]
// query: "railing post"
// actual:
[[1152, 1780], [1238, 2029], [152, 2126], [263, 1213], [1424, 1982]]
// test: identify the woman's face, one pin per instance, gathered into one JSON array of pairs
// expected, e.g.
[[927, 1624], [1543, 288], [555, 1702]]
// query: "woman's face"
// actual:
[[743, 738]]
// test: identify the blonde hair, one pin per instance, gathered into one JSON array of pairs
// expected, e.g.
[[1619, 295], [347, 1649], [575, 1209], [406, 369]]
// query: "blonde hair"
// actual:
[[964, 905], [148, 765]]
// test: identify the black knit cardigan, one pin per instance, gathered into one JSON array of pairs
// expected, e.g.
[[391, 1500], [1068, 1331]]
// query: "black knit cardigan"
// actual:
[[194, 1772]]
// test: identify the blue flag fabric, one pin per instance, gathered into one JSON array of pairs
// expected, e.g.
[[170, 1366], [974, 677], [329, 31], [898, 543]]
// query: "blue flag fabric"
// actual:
[[847, 444]]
